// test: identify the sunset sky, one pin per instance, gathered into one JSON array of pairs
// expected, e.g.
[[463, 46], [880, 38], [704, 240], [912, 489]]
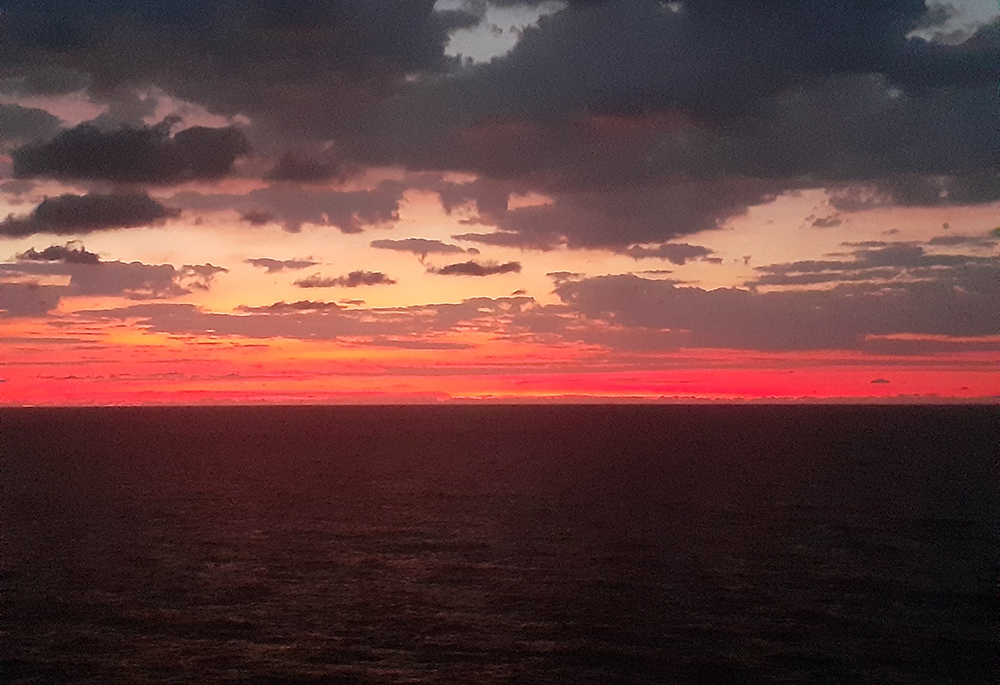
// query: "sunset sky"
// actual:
[[506, 200]]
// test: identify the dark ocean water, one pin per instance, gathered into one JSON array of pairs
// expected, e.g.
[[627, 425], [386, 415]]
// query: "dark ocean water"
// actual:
[[499, 544]]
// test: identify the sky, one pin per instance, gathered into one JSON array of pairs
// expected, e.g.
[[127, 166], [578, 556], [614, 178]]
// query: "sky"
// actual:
[[499, 200]]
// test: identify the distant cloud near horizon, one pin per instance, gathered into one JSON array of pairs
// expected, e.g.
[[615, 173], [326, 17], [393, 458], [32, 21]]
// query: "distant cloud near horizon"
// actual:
[[92, 277]]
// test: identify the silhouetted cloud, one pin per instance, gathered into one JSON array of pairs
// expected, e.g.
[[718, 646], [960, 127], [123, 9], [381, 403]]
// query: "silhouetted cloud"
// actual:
[[132, 280], [845, 317], [321, 322], [27, 298], [283, 307], [526, 241], [302, 168], [257, 217], [473, 268], [149, 155], [25, 123], [826, 221], [277, 265], [879, 262], [418, 246], [70, 253], [69, 214], [641, 123], [983, 240], [351, 280], [677, 253], [351, 211]]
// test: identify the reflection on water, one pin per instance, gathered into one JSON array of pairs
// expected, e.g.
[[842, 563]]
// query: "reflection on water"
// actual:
[[499, 544]]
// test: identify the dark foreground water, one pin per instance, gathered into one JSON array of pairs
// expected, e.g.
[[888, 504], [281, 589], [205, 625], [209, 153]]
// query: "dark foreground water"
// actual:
[[503, 544]]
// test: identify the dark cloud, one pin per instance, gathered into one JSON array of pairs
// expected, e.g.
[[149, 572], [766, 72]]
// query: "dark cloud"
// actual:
[[418, 246], [305, 66], [69, 214], [70, 253], [543, 242], [827, 221], [302, 168], [677, 253], [16, 187], [321, 322], [615, 219], [395, 341], [642, 123], [148, 155], [984, 240], [193, 277], [45, 81], [256, 217], [283, 307], [892, 263], [845, 317], [24, 123], [351, 211], [472, 268], [27, 298], [351, 280], [132, 280], [277, 265]]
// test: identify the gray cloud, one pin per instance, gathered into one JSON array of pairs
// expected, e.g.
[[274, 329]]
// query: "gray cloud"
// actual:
[[257, 217], [301, 168], [351, 280], [473, 268], [148, 155], [642, 123], [325, 321], [45, 81], [283, 307], [986, 240], [132, 280], [24, 123], [350, 211], [676, 253], [75, 214], [536, 240], [838, 318], [418, 246], [72, 253], [892, 263], [27, 299], [277, 265]]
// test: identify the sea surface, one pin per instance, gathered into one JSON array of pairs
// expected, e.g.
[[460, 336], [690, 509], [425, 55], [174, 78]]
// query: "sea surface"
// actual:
[[499, 544]]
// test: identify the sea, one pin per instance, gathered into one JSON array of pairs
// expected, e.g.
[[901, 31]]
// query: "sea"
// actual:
[[499, 544]]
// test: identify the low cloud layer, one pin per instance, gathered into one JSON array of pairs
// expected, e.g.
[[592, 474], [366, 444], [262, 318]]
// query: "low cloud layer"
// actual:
[[24, 292]]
